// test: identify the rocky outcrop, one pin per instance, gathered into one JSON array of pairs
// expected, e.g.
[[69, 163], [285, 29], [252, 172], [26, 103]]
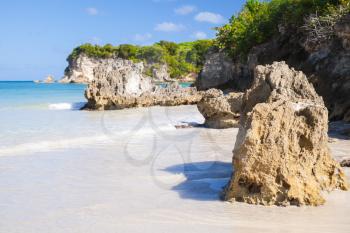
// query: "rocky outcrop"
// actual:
[[220, 111], [123, 84], [220, 71], [81, 69], [48, 79], [327, 66], [159, 72], [281, 155]]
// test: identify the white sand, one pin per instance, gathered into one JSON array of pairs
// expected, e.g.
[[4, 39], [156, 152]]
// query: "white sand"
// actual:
[[138, 182]]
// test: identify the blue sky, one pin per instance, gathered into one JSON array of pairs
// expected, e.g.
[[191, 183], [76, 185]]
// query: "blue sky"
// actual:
[[37, 35]]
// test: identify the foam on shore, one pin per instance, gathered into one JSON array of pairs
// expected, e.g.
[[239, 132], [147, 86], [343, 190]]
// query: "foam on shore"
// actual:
[[67, 106]]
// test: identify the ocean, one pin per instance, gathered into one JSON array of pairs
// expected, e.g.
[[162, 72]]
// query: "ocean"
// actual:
[[65, 170]]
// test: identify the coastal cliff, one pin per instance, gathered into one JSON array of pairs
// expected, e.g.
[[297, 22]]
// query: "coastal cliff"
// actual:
[[163, 61], [81, 69], [319, 47]]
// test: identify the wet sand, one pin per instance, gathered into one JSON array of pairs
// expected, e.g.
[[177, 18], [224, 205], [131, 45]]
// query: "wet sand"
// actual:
[[154, 178]]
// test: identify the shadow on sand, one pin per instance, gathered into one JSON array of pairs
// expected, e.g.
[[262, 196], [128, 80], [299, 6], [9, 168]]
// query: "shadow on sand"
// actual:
[[204, 180]]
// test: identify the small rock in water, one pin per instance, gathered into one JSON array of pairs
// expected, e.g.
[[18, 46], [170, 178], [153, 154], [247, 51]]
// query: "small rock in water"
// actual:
[[345, 163], [331, 140]]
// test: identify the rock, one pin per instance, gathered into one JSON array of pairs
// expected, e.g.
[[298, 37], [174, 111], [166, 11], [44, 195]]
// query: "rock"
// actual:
[[117, 84], [220, 71], [332, 140], [281, 155], [220, 111], [345, 163], [123, 85], [81, 69], [342, 30], [49, 79], [160, 72]]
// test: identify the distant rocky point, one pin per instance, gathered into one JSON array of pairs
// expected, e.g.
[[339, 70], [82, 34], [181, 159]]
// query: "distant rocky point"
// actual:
[[48, 79]]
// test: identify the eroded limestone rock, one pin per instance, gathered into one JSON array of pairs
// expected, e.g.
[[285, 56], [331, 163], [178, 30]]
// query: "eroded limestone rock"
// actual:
[[220, 111], [281, 155], [122, 84]]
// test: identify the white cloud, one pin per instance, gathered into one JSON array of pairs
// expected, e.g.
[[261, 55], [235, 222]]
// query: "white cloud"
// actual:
[[199, 35], [91, 11], [169, 27], [142, 37], [209, 17], [185, 10]]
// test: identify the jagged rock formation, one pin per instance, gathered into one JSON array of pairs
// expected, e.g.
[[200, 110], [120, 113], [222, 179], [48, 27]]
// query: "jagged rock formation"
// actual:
[[48, 79], [81, 69], [123, 85], [160, 72], [220, 111], [327, 66], [219, 71], [281, 155]]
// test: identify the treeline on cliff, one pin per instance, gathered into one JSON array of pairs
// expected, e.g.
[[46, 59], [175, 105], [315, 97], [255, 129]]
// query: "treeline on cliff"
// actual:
[[259, 21], [181, 58]]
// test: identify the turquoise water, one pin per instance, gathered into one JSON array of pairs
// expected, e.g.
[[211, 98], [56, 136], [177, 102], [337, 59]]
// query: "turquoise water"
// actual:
[[28, 94], [39, 117]]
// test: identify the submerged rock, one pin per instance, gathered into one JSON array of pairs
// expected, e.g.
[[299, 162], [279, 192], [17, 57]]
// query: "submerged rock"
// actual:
[[220, 111], [281, 155], [123, 85]]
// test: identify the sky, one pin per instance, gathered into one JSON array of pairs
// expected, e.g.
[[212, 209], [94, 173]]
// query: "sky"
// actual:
[[38, 35]]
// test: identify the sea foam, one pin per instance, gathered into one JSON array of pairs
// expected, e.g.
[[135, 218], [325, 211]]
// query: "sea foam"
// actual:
[[67, 106]]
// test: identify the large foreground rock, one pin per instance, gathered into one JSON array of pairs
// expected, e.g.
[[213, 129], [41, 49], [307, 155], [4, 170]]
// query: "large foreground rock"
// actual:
[[122, 84], [281, 155], [220, 111]]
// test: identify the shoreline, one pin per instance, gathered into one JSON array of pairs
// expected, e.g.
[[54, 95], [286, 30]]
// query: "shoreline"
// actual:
[[149, 179]]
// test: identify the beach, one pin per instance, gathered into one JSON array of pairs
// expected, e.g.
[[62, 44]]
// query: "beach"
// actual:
[[64, 170]]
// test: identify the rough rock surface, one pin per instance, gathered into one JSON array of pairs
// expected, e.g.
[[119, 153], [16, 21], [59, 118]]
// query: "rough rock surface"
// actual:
[[220, 111], [281, 155], [123, 85], [219, 71], [81, 69], [160, 74]]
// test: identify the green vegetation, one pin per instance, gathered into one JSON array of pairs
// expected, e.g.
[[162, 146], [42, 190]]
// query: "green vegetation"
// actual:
[[182, 58], [258, 21]]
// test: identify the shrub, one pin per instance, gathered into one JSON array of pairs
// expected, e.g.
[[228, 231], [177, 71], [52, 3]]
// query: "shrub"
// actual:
[[258, 21], [181, 58]]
